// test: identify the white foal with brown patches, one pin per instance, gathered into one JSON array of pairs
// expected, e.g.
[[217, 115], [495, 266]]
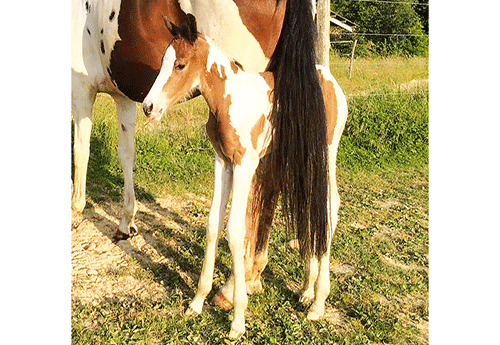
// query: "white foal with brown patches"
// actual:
[[240, 130]]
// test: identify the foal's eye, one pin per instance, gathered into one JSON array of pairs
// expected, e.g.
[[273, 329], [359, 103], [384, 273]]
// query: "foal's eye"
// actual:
[[180, 67]]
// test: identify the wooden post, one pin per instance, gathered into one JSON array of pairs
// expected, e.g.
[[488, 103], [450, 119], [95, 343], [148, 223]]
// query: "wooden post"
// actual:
[[352, 57], [323, 32]]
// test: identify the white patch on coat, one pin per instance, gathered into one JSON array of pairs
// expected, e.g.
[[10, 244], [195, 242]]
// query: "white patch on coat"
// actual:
[[217, 57], [220, 20], [249, 99], [91, 31]]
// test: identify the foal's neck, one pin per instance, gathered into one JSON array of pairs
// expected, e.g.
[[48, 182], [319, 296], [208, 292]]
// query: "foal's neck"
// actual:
[[219, 70]]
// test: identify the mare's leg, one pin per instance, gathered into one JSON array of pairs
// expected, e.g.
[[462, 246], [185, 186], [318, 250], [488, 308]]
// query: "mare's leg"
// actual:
[[82, 99], [242, 180], [310, 276], [322, 287], [126, 110], [223, 180]]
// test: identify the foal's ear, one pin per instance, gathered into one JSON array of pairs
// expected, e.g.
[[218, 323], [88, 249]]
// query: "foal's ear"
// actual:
[[188, 29], [174, 29]]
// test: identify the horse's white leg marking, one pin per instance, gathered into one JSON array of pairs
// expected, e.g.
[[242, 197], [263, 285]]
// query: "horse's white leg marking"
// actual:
[[222, 187], [310, 276], [242, 180], [126, 110], [83, 97], [322, 287]]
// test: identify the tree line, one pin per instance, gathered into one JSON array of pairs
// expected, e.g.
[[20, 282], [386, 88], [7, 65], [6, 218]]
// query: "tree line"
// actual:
[[384, 27]]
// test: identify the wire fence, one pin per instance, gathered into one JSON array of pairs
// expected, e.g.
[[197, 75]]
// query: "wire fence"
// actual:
[[394, 2], [376, 49]]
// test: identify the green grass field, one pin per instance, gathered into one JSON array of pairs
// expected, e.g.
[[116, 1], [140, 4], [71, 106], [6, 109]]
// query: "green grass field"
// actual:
[[379, 268]]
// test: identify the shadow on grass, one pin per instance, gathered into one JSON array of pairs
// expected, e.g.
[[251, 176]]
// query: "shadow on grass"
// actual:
[[105, 190]]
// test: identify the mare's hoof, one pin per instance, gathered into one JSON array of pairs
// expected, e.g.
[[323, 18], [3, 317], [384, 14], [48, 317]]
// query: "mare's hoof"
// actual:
[[133, 230], [221, 301], [120, 236], [234, 334], [191, 312]]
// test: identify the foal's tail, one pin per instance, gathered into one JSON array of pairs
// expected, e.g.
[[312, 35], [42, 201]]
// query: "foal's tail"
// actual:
[[298, 165]]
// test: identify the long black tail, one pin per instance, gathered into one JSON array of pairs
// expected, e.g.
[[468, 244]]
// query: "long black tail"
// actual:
[[299, 152]]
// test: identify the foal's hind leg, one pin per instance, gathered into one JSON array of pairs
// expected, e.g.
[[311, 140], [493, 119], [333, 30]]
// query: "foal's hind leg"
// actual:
[[258, 226], [222, 186], [126, 110], [82, 99], [258, 261]]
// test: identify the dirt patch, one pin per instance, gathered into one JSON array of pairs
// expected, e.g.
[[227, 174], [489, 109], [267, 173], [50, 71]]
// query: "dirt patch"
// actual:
[[387, 203], [394, 263], [415, 84], [102, 268]]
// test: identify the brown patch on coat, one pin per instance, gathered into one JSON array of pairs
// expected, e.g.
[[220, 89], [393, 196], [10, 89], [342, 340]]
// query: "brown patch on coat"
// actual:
[[236, 66], [330, 100], [220, 131], [257, 130], [136, 57], [269, 79], [264, 20]]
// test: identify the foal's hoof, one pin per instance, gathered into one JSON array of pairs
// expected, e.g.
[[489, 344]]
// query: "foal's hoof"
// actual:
[[221, 301], [314, 313], [305, 299], [254, 287], [234, 334]]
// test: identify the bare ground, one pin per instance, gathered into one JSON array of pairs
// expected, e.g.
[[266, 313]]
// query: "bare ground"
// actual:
[[102, 268]]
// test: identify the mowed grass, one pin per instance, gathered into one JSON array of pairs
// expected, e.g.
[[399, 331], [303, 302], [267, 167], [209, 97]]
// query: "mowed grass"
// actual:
[[379, 260]]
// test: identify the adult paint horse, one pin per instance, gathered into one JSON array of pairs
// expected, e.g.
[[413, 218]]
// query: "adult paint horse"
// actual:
[[247, 133], [117, 47]]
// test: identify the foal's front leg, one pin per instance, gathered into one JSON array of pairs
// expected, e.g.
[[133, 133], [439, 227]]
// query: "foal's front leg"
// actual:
[[223, 180], [242, 180]]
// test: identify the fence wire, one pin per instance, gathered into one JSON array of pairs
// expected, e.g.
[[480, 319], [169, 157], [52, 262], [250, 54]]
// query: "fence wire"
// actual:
[[394, 2]]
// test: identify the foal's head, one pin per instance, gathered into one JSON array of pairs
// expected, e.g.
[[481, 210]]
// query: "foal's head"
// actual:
[[181, 68]]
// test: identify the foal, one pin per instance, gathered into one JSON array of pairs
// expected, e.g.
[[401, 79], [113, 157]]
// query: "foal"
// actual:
[[240, 130]]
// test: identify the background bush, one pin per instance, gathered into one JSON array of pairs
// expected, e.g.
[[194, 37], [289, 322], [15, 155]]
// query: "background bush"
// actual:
[[407, 18]]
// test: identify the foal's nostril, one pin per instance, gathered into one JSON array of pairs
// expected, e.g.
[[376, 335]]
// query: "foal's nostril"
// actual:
[[148, 108]]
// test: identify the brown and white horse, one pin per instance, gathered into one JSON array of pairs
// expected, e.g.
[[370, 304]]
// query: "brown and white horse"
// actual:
[[243, 129], [117, 47]]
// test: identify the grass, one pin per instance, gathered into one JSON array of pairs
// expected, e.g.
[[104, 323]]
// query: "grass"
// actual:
[[379, 269]]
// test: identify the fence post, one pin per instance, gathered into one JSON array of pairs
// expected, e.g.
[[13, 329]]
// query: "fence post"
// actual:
[[352, 57], [323, 32]]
